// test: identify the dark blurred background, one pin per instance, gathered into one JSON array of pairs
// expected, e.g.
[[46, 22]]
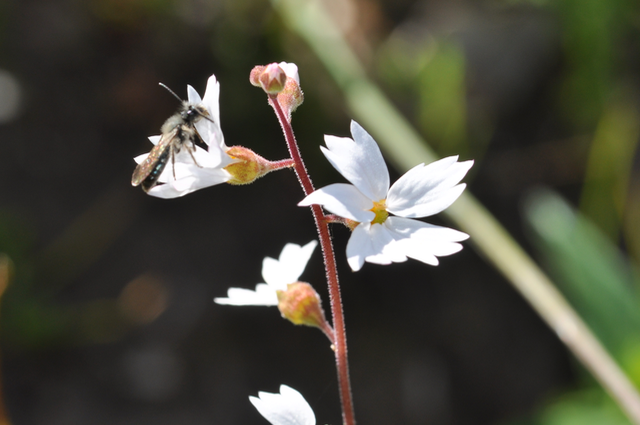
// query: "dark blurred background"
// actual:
[[108, 316]]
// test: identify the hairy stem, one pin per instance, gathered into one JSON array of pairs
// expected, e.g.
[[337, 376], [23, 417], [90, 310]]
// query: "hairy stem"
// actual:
[[337, 313]]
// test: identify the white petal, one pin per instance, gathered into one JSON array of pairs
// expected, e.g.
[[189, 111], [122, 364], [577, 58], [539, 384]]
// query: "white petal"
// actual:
[[423, 241], [211, 132], [212, 97], [167, 191], [427, 190], [189, 177], [398, 238], [291, 70], [154, 139], [219, 154], [202, 177], [183, 166], [193, 95], [198, 179], [286, 408], [215, 140], [138, 159], [288, 268], [359, 160], [374, 244], [184, 161], [263, 295], [342, 199]]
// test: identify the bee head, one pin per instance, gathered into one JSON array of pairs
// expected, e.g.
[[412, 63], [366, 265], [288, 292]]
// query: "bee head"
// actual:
[[193, 113]]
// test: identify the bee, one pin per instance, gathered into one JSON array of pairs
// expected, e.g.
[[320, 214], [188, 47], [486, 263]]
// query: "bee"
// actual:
[[178, 131]]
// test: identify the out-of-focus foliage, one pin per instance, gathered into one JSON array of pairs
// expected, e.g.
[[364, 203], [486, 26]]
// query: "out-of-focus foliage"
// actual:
[[435, 72], [608, 176], [593, 98], [595, 274], [600, 281], [33, 319]]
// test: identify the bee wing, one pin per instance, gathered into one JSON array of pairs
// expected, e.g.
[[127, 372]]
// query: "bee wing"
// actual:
[[145, 168]]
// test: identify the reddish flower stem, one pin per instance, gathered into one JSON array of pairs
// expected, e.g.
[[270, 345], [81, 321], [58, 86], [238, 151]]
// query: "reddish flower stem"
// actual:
[[340, 336], [283, 163]]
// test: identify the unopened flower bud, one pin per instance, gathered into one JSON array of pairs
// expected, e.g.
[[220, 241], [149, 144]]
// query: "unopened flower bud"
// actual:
[[280, 79], [254, 76], [271, 78], [290, 97], [300, 304]]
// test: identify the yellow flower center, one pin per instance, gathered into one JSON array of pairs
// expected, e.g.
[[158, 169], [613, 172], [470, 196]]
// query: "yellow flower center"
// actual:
[[380, 210]]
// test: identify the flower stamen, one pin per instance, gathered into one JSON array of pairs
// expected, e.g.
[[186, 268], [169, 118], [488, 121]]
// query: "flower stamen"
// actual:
[[380, 210]]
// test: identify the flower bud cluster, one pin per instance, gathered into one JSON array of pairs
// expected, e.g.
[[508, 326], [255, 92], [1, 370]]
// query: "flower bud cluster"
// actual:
[[280, 81]]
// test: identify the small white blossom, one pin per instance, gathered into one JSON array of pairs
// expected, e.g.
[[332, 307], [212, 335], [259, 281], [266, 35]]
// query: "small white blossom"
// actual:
[[276, 273], [421, 192], [190, 177], [286, 408]]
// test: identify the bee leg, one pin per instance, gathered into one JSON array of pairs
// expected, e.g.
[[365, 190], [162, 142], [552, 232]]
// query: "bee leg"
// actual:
[[191, 150], [173, 160]]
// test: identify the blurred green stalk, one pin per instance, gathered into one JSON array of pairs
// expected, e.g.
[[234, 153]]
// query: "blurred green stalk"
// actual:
[[404, 146], [609, 167]]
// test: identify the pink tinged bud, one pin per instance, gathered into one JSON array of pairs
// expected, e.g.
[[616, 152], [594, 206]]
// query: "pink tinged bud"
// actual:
[[282, 81], [300, 304], [254, 77], [290, 97], [271, 78]]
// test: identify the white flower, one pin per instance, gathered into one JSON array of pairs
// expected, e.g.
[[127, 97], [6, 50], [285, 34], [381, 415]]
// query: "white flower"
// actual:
[[422, 191], [190, 177], [276, 273], [286, 408]]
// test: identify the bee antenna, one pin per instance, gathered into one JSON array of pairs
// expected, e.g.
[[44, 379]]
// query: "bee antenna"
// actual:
[[171, 91], [207, 118], [178, 97]]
